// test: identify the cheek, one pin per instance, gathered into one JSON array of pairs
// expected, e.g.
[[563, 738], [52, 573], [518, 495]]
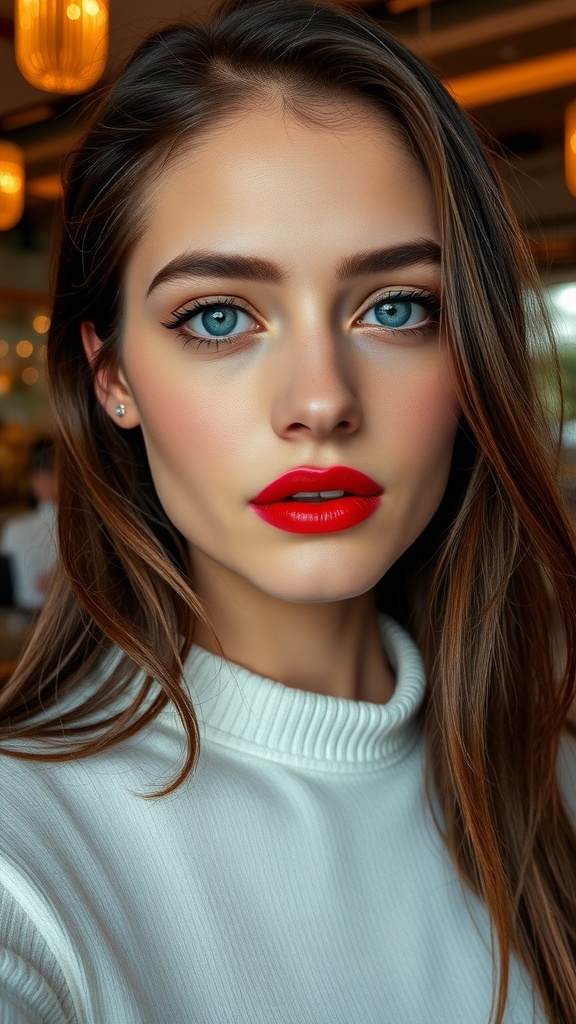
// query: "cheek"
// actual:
[[428, 423], [191, 429], [423, 425], [419, 415]]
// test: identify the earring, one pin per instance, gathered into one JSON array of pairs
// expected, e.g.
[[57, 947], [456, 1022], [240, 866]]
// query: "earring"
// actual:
[[120, 409]]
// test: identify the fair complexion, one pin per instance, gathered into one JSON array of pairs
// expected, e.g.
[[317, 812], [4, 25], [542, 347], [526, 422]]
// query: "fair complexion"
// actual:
[[308, 376]]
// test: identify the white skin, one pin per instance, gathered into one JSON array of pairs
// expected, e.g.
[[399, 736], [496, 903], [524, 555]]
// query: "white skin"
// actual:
[[309, 378]]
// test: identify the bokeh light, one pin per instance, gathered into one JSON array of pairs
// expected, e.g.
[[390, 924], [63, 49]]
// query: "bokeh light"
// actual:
[[565, 298], [30, 375], [24, 349], [41, 324]]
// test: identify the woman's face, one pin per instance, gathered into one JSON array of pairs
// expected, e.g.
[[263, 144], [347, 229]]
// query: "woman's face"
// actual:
[[281, 311]]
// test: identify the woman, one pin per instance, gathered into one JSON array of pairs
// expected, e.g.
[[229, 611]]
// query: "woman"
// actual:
[[289, 364]]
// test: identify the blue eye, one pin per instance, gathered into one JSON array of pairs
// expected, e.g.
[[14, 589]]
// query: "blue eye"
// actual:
[[207, 322], [402, 312], [393, 314], [219, 321]]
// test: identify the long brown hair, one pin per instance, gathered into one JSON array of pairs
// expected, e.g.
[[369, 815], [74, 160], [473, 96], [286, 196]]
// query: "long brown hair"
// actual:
[[488, 590]]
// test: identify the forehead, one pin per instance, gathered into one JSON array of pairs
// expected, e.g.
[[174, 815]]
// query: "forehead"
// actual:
[[269, 184]]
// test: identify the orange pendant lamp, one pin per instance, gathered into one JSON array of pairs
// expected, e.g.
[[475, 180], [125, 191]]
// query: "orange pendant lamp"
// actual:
[[11, 184], [61, 46]]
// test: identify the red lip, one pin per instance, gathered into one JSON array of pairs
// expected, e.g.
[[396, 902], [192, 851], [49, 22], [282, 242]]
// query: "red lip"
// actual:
[[362, 498], [308, 478]]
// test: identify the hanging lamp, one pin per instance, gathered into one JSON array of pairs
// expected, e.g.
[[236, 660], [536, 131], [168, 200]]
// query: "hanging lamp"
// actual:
[[11, 184], [61, 46], [570, 147]]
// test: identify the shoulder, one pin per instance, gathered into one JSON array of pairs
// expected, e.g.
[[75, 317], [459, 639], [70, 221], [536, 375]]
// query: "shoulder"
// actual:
[[33, 799], [35, 952], [46, 798], [33, 986], [31, 780]]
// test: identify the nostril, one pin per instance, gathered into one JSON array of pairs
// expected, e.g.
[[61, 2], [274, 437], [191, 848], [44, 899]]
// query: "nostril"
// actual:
[[318, 414]]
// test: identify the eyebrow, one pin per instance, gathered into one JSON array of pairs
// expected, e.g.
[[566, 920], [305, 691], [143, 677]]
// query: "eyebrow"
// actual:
[[395, 257], [254, 268]]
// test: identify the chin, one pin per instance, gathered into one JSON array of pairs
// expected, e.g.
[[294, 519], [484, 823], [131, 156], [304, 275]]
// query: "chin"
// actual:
[[314, 591]]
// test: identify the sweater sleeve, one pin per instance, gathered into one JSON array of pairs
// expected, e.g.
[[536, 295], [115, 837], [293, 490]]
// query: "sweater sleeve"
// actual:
[[33, 989]]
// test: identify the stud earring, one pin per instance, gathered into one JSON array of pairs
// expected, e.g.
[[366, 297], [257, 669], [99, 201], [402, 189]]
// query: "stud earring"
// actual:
[[120, 409]]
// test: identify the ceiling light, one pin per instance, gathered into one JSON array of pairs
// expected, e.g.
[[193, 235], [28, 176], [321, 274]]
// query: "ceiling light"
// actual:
[[61, 46], [523, 78], [11, 184]]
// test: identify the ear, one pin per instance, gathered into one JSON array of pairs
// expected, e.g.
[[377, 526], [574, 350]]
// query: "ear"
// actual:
[[110, 385]]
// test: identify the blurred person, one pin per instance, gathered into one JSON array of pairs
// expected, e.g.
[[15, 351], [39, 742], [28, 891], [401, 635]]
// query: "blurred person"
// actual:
[[28, 540]]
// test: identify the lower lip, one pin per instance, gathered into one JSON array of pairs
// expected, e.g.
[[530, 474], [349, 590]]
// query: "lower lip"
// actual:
[[318, 517]]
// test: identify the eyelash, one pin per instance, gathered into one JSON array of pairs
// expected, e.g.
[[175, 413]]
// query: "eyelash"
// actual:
[[419, 296], [179, 318]]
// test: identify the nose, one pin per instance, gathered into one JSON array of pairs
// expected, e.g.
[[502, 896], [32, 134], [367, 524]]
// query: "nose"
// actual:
[[316, 397]]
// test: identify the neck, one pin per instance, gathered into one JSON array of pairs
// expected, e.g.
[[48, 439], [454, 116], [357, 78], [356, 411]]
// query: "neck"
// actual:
[[332, 648]]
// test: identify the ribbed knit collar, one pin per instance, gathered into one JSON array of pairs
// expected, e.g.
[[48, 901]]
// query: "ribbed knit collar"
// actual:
[[239, 709]]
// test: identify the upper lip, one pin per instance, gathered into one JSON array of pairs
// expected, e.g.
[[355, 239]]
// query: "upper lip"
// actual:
[[311, 478]]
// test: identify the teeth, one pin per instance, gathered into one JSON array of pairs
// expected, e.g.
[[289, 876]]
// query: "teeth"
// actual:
[[310, 495]]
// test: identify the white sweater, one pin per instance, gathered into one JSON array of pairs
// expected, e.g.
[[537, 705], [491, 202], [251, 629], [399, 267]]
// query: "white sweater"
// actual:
[[295, 879]]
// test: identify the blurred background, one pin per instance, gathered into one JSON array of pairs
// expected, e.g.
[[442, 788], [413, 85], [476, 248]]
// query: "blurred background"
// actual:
[[511, 63]]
